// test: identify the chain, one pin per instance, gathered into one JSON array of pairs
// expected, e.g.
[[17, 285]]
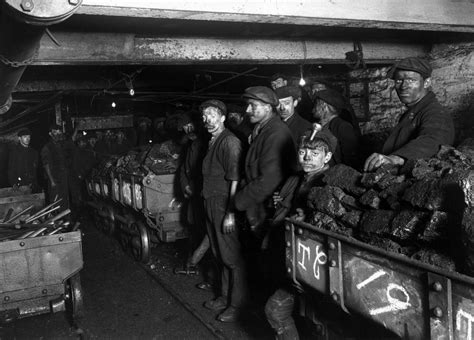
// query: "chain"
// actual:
[[16, 64]]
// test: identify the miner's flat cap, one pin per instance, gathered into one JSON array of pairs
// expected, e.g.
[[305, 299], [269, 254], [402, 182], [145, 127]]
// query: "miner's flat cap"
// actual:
[[262, 93], [214, 103], [288, 91], [277, 76], [332, 97], [24, 132], [324, 135], [417, 65]]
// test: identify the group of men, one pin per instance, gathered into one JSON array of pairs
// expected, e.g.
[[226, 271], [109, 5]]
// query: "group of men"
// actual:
[[242, 175]]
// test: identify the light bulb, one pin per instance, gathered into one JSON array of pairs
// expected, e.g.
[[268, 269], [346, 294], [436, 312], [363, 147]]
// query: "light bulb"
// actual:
[[150, 141], [302, 82], [132, 92], [113, 104], [84, 133]]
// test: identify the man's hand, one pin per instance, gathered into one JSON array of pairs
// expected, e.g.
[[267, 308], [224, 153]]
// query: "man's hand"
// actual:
[[276, 199], [300, 215], [376, 160], [188, 192], [228, 225]]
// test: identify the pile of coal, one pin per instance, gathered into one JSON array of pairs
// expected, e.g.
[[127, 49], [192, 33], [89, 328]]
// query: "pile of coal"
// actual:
[[158, 159], [423, 210]]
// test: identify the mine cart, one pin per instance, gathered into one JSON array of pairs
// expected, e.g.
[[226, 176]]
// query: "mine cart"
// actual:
[[411, 299], [41, 275], [143, 209], [40, 262]]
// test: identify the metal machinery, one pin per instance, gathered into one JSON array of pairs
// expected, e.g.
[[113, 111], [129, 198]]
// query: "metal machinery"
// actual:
[[142, 209], [411, 299], [39, 274]]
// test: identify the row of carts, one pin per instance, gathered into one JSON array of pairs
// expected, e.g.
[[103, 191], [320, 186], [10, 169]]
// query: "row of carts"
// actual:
[[141, 210]]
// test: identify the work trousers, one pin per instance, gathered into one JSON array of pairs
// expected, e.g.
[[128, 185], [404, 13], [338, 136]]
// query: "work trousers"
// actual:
[[279, 310], [227, 251], [61, 190]]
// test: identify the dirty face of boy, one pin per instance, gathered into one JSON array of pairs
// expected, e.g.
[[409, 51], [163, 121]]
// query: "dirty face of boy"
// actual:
[[312, 159]]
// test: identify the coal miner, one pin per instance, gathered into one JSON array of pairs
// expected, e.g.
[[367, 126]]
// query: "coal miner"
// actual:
[[289, 98], [221, 173], [314, 153], [424, 127], [23, 162], [271, 157], [329, 109], [53, 157]]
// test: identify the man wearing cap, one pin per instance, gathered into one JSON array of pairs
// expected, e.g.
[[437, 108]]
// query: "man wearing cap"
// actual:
[[329, 106], [23, 161], [289, 97], [424, 127], [239, 123], [53, 158], [271, 157], [220, 174]]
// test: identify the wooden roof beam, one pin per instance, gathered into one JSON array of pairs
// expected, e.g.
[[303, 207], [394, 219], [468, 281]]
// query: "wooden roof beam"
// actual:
[[128, 49], [425, 15]]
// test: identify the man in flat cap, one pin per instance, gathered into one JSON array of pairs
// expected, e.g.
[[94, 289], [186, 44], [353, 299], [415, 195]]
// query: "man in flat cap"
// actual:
[[289, 98], [221, 169], [23, 161], [271, 157], [424, 127], [328, 110]]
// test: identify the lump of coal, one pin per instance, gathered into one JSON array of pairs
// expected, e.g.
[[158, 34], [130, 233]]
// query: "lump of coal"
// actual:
[[437, 227], [326, 222], [435, 258], [327, 199], [467, 241], [344, 177], [350, 202], [352, 218], [377, 221], [425, 193], [370, 179], [370, 198], [389, 179], [407, 224]]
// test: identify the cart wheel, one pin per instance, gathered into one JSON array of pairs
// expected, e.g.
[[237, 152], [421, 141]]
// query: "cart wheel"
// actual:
[[124, 240], [141, 243], [73, 297]]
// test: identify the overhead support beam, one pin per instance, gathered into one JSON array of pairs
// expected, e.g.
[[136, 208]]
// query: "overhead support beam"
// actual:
[[127, 49], [426, 15]]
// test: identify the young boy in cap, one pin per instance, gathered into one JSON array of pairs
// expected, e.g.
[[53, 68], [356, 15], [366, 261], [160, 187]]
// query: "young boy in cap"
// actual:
[[424, 127], [23, 161], [314, 153]]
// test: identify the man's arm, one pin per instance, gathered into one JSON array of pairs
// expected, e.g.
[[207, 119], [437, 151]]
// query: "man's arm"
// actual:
[[228, 226], [46, 160]]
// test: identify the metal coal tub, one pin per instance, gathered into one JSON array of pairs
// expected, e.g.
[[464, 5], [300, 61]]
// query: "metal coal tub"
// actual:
[[409, 298], [41, 275]]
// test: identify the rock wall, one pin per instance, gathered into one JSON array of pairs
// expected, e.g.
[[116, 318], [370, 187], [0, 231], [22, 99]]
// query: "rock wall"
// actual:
[[452, 82]]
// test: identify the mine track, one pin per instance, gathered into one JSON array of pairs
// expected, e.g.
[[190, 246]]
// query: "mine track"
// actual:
[[217, 333]]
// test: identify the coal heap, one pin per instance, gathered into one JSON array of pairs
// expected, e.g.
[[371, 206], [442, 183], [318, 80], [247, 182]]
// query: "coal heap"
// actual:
[[423, 210]]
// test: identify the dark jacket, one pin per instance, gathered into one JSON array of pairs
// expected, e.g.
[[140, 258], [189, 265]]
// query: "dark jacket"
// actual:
[[347, 148], [271, 158], [298, 126], [421, 130], [190, 173], [22, 165]]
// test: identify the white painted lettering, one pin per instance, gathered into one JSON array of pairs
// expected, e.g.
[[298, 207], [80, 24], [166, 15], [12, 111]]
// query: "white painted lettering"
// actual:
[[468, 320], [394, 303], [306, 250], [371, 278], [321, 259]]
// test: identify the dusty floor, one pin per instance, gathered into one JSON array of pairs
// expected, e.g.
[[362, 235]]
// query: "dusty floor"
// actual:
[[126, 300]]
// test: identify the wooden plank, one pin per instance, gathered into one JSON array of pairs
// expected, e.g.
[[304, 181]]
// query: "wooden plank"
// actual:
[[123, 49], [432, 15]]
